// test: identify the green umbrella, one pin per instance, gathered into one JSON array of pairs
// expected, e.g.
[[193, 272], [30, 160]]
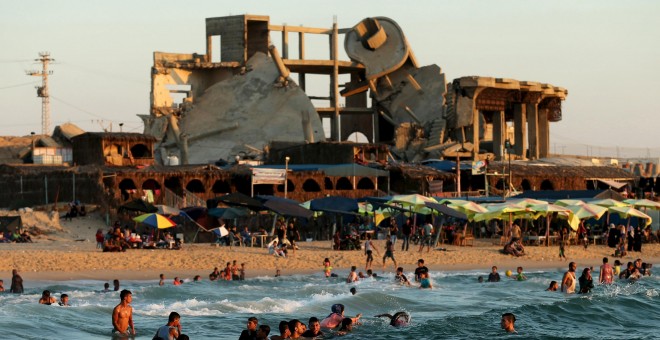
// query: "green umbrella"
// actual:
[[643, 203]]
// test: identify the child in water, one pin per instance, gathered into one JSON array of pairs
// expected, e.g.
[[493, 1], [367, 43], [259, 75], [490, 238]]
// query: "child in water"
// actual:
[[327, 268], [424, 281], [520, 276], [617, 268]]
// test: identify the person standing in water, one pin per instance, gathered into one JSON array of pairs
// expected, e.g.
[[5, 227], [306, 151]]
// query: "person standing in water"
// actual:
[[606, 274], [568, 281], [122, 315], [16, 283]]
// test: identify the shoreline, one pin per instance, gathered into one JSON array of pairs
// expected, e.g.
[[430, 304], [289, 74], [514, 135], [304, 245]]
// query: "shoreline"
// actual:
[[69, 253]]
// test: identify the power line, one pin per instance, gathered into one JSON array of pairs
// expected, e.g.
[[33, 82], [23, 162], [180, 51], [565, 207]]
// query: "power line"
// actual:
[[17, 85], [78, 108]]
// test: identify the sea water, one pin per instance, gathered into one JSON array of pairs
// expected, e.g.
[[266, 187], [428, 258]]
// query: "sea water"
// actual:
[[458, 306]]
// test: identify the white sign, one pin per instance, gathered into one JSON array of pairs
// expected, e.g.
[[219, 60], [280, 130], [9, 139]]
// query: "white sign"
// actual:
[[268, 176]]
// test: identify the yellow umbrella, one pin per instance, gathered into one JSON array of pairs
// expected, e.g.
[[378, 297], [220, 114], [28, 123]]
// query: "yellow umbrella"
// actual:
[[547, 210], [631, 212], [568, 201], [506, 211], [608, 202], [469, 208]]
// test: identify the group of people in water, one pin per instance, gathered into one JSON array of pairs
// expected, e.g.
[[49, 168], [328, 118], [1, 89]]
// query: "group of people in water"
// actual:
[[634, 271]]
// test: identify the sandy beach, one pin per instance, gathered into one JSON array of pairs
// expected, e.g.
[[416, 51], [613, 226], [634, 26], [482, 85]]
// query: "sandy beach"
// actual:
[[68, 252]]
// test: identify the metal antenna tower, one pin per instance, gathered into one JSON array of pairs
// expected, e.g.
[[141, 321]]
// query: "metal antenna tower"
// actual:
[[42, 91]]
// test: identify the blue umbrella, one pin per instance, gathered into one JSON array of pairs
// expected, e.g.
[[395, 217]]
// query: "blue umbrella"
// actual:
[[335, 204]]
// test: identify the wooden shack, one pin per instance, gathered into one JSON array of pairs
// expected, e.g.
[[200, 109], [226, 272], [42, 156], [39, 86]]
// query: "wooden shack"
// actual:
[[113, 149]]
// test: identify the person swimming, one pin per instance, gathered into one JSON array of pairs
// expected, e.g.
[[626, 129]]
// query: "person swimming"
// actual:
[[399, 319]]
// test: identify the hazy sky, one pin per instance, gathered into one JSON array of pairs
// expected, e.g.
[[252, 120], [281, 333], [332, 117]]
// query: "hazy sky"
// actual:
[[606, 53]]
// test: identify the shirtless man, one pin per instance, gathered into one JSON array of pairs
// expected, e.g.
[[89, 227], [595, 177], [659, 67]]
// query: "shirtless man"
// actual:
[[568, 281], [352, 276], [606, 272], [122, 316]]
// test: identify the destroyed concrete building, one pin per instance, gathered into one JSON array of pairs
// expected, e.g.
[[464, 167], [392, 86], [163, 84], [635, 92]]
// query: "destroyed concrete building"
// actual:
[[243, 94]]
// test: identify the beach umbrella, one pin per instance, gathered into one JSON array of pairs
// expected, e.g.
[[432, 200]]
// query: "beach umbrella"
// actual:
[[507, 211], [155, 220], [527, 202], [138, 205], [287, 209], [412, 202], [266, 198], [237, 199], [167, 210], [630, 212], [643, 203], [568, 201], [608, 202], [587, 210], [446, 210], [228, 213], [335, 204], [547, 210], [469, 208]]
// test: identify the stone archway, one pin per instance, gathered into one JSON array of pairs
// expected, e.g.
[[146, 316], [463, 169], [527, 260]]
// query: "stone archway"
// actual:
[[125, 187], [196, 186], [310, 185], [547, 185], [344, 184], [526, 185], [365, 183]]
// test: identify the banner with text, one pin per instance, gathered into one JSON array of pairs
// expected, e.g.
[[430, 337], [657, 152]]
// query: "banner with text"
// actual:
[[268, 176]]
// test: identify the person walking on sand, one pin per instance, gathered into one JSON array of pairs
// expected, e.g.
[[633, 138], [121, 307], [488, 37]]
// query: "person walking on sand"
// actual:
[[568, 281], [406, 230], [562, 256], [368, 250], [389, 252], [427, 230], [122, 315], [16, 283]]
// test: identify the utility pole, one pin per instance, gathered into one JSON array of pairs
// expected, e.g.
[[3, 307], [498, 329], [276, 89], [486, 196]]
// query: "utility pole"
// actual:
[[42, 91]]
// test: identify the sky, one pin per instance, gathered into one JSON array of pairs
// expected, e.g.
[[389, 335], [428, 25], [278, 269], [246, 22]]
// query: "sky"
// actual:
[[606, 53]]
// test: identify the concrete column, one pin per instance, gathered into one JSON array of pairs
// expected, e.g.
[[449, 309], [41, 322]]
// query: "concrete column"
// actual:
[[544, 133], [520, 130], [301, 56], [533, 130], [475, 131], [499, 130]]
